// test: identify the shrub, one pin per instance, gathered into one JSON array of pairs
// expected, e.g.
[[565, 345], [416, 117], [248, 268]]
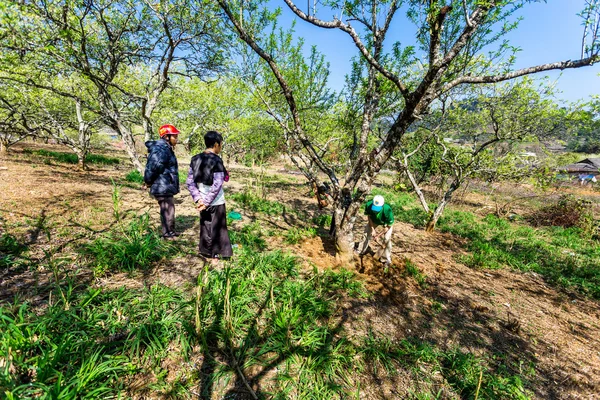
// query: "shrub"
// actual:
[[567, 212]]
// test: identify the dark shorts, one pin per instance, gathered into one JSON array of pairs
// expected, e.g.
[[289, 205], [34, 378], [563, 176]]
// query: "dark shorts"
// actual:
[[214, 239]]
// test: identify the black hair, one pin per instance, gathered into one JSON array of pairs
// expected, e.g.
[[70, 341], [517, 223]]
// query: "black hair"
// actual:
[[211, 138]]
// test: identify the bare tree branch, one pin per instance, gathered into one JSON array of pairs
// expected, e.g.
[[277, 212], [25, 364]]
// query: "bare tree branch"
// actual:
[[336, 23], [287, 92], [561, 65]]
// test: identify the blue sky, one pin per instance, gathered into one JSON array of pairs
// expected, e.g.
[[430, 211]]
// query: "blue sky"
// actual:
[[549, 32]]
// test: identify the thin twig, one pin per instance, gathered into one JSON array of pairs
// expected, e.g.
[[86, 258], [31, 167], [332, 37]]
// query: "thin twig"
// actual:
[[478, 384]]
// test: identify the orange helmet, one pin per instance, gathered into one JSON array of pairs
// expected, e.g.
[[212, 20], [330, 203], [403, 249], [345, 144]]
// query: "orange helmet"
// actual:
[[167, 130]]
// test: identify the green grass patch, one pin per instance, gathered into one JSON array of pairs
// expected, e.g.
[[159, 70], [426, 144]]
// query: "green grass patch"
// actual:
[[567, 257], [85, 345], [127, 248], [10, 251], [415, 272], [263, 313], [252, 202], [71, 158], [296, 235], [134, 176], [564, 256], [249, 236], [467, 374]]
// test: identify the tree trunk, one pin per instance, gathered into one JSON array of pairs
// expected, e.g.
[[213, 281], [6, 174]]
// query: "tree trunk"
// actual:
[[83, 139], [433, 219], [113, 118], [129, 142], [346, 208], [3, 149], [417, 190], [343, 235], [435, 216], [81, 160]]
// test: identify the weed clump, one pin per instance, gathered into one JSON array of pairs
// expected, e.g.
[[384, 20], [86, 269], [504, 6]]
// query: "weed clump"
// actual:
[[86, 345], [10, 250], [70, 158], [257, 204], [127, 248], [567, 212], [134, 177], [296, 235]]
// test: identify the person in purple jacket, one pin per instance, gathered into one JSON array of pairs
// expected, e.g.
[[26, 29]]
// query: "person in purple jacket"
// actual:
[[205, 183]]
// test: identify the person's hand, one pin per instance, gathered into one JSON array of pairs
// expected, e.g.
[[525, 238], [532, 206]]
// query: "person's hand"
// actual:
[[381, 233], [144, 187], [200, 206]]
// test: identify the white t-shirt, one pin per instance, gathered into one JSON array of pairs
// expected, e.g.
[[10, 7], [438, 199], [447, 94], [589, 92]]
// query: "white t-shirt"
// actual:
[[220, 199]]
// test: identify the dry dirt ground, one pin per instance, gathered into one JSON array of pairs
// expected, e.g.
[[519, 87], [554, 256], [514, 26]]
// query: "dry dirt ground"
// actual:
[[546, 334]]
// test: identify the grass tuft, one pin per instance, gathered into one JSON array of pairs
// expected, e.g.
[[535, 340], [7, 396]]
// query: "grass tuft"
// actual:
[[127, 248], [70, 158], [255, 203]]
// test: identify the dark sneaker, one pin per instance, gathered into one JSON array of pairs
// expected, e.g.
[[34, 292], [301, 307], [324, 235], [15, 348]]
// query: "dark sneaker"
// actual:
[[176, 234], [168, 236]]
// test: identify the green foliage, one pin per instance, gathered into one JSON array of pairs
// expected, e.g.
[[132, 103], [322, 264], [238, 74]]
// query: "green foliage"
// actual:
[[127, 248], [252, 202], [249, 236], [70, 158], [564, 256], [262, 309], [10, 250], [296, 235], [135, 177], [86, 345], [588, 146]]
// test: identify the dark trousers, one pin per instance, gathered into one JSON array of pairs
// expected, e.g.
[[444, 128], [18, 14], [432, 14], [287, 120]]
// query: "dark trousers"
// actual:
[[167, 213], [214, 238]]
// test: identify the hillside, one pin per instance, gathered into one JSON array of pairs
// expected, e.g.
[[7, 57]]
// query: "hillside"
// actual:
[[93, 304]]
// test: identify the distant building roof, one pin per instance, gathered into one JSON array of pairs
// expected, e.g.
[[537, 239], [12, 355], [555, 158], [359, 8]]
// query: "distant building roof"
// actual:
[[592, 161], [591, 165]]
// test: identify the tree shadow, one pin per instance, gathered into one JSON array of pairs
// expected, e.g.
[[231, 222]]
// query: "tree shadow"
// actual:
[[185, 223], [221, 351]]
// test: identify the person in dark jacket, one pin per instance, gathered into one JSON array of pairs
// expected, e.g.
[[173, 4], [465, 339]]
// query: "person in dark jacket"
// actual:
[[205, 183], [162, 176]]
